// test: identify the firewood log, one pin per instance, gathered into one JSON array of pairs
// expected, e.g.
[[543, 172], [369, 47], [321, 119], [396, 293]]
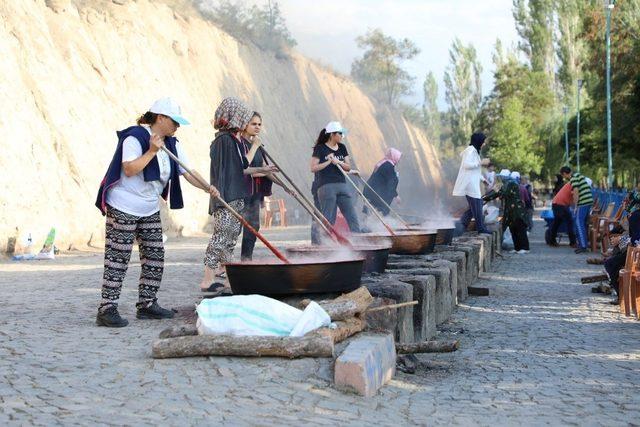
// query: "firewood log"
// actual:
[[428, 347], [344, 329], [246, 346]]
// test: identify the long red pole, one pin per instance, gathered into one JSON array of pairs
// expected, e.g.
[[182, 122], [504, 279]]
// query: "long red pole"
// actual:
[[230, 209]]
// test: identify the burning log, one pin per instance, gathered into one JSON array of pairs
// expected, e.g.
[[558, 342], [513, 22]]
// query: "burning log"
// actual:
[[428, 347], [594, 279], [250, 346]]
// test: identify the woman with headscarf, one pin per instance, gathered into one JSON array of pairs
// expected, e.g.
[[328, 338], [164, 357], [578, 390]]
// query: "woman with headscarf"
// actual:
[[384, 181], [229, 165], [514, 215], [468, 182]]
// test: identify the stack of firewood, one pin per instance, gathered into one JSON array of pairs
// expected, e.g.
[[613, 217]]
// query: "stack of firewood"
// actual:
[[348, 316]]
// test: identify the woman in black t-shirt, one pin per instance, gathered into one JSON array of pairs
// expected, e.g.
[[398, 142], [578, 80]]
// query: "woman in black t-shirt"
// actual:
[[329, 154]]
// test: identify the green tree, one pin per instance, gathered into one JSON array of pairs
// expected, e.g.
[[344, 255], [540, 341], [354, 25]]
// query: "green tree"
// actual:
[[262, 25], [463, 90], [430, 113], [535, 25], [512, 145], [379, 70]]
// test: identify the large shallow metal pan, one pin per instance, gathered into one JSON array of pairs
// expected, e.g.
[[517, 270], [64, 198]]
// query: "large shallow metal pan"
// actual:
[[404, 242], [375, 256], [295, 278]]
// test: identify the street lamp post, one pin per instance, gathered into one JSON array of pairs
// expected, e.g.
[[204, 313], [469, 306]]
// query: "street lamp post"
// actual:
[[609, 7], [580, 82], [565, 110]]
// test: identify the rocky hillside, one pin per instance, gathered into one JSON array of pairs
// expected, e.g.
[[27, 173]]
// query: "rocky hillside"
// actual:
[[74, 72]]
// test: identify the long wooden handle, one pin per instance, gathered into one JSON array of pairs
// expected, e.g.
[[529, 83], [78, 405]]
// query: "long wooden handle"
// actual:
[[341, 239], [385, 203], [366, 201], [230, 209]]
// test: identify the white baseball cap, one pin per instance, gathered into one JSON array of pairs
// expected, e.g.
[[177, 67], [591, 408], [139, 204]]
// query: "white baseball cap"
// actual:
[[515, 175], [505, 173], [332, 127], [169, 107]]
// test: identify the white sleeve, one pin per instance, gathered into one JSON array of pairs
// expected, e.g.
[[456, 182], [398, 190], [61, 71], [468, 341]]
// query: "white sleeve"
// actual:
[[183, 158], [131, 149], [471, 161]]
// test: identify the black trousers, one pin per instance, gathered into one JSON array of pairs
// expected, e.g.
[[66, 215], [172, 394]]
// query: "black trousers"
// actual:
[[252, 214], [561, 214], [612, 265], [518, 230]]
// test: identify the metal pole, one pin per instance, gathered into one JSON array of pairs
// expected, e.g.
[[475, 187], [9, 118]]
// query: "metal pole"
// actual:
[[565, 110], [609, 155], [580, 81]]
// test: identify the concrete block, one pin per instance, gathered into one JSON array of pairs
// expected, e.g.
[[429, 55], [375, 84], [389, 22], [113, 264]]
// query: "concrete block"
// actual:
[[368, 363], [424, 314], [453, 279], [460, 259], [484, 256], [442, 300], [384, 320], [471, 262], [389, 287]]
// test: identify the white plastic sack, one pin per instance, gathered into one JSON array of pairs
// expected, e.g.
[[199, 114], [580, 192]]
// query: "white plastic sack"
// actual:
[[507, 240], [257, 315], [491, 214]]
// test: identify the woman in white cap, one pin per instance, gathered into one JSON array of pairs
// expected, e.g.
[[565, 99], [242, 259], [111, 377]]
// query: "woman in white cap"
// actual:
[[139, 174], [329, 154]]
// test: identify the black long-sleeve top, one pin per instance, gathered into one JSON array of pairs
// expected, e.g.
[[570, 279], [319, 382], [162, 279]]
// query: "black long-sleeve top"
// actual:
[[384, 181], [227, 169]]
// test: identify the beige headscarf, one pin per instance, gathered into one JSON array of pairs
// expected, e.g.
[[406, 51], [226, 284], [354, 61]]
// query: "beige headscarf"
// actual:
[[231, 114]]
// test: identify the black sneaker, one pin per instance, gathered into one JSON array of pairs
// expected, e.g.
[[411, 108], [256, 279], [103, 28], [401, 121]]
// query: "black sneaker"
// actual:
[[580, 250], [154, 312], [111, 318]]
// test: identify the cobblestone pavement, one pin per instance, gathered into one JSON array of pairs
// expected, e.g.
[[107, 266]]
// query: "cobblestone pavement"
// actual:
[[542, 349]]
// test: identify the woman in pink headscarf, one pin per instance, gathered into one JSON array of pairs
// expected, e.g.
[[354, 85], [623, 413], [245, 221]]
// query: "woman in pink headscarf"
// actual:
[[384, 181]]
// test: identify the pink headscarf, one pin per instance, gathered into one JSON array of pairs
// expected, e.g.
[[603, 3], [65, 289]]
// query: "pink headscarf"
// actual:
[[393, 156]]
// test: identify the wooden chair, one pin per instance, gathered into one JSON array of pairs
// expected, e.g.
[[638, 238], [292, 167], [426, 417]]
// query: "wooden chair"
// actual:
[[630, 270], [597, 224], [608, 226], [271, 206]]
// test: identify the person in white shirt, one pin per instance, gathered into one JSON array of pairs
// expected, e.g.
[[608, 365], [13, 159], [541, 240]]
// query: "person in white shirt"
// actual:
[[468, 182], [129, 195]]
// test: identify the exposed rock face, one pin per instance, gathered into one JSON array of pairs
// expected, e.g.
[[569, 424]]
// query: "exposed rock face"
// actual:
[[75, 72]]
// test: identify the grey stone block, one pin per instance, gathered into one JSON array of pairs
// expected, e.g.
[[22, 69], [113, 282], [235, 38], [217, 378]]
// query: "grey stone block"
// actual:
[[443, 295], [400, 292], [384, 320], [424, 314], [470, 256], [460, 258]]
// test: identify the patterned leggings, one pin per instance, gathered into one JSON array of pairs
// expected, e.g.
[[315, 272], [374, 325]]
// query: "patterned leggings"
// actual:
[[121, 230], [226, 229]]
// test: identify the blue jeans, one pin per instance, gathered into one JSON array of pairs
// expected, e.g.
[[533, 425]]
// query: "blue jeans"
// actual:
[[581, 225], [475, 212]]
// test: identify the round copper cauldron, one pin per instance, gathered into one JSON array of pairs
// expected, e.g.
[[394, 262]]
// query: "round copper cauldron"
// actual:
[[275, 278], [375, 256], [404, 242]]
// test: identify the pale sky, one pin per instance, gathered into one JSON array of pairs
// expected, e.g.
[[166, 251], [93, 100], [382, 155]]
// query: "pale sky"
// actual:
[[326, 30]]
